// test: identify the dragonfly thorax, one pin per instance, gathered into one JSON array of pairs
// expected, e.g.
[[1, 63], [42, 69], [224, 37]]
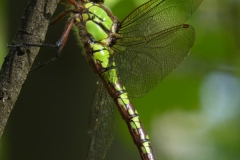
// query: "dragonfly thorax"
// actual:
[[98, 27], [98, 23]]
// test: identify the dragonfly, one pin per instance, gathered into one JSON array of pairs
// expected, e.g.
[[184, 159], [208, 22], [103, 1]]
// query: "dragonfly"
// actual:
[[130, 58]]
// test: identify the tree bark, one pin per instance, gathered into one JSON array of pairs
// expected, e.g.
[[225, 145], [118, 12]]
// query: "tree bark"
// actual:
[[17, 63]]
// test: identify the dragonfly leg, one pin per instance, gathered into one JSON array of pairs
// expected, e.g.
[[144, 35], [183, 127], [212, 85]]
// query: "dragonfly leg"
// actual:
[[74, 3], [60, 43], [61, 16], [32, 45]]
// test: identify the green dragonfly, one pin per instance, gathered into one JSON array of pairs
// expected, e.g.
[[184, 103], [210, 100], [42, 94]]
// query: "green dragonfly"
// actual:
[[130, 58]]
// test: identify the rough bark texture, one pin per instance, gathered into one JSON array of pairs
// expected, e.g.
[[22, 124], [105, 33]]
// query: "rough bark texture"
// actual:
[[33, 28]]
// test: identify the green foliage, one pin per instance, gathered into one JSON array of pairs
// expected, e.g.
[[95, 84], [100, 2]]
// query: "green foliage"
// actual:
[[3, 30]]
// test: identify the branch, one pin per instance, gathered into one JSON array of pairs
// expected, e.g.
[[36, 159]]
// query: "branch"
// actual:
[[33, 28]]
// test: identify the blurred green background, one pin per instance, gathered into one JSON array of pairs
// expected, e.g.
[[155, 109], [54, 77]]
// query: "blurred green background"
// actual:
[[192, 115]]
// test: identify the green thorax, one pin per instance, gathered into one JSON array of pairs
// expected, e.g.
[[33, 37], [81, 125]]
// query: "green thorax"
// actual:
[[99, 27], [97, 22]]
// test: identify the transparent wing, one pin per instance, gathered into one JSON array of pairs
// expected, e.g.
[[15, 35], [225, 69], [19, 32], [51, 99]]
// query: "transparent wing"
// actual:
[[152, 42], [157, 15], [101, 127], [144, 61]]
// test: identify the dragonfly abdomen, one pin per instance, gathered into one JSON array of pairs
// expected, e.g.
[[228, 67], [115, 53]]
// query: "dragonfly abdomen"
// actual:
[[119, 93], [135, 126]]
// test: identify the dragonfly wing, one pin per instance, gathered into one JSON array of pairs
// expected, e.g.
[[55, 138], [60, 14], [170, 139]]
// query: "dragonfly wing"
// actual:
[[157, 15], [153, 40], [145, 60], [101, 126]]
